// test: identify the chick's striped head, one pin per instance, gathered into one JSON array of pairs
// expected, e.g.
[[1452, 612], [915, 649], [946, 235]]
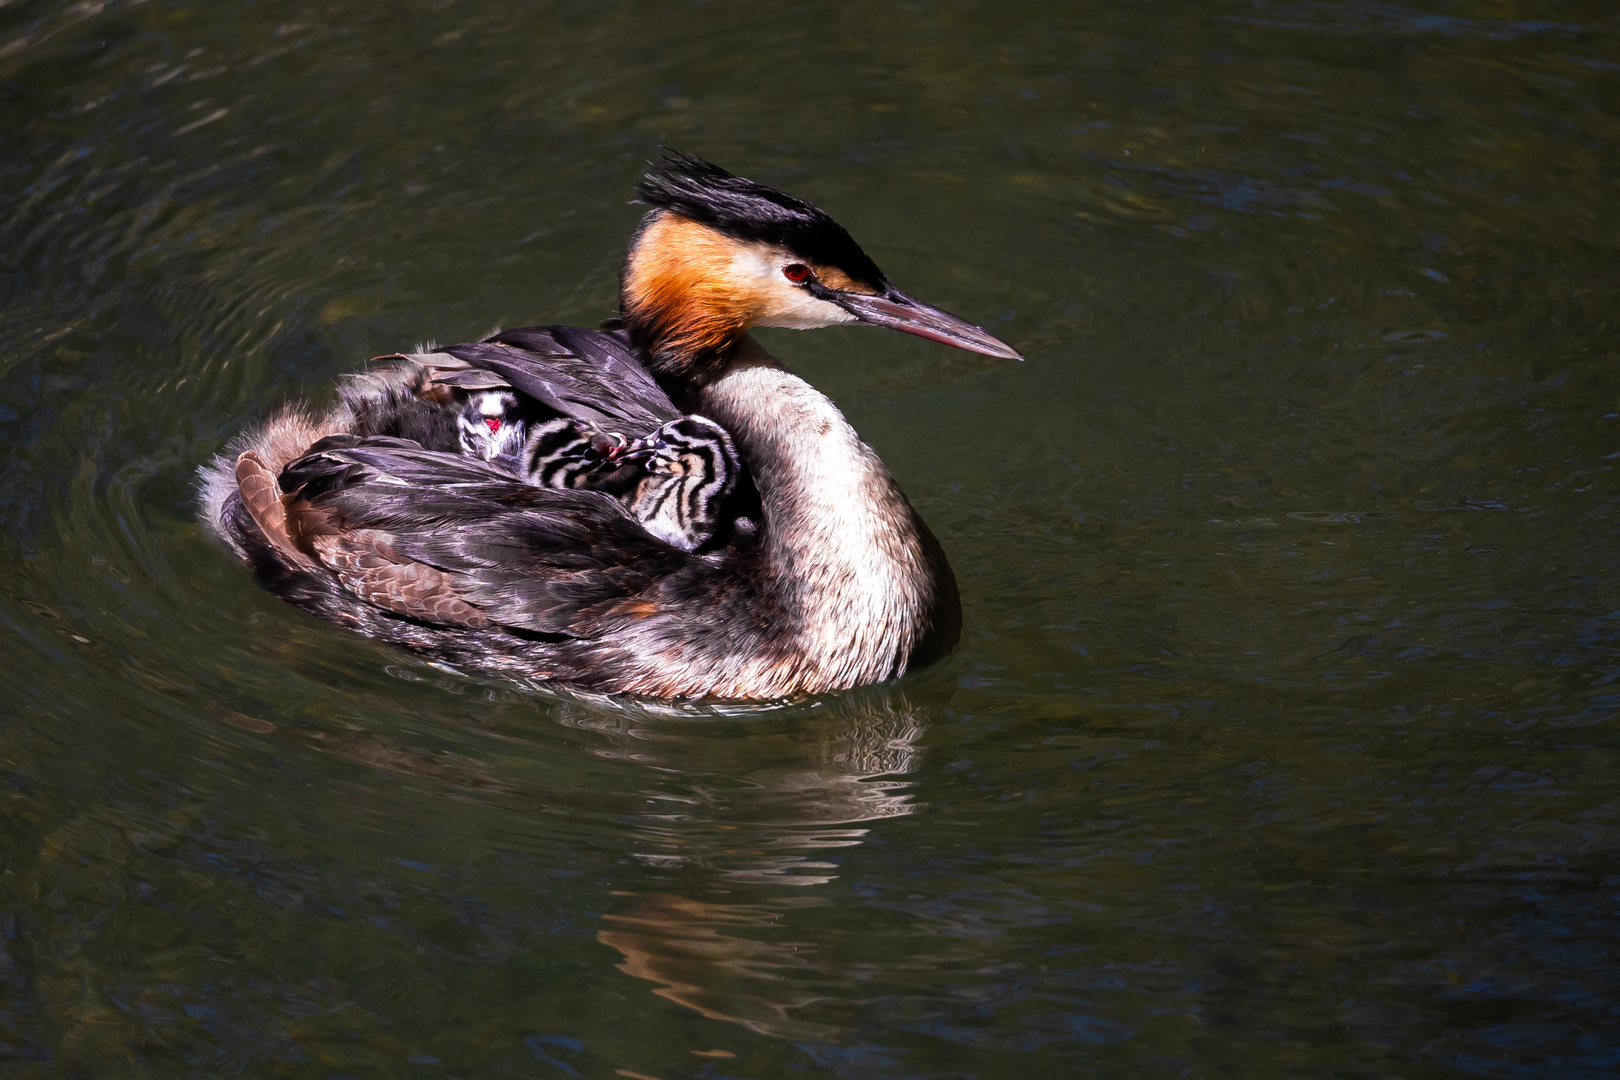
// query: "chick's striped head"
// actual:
[[691, 467], [567, 453], [490, 423]]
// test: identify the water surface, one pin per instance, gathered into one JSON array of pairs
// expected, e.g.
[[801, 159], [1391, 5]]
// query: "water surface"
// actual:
[[1282, 741]]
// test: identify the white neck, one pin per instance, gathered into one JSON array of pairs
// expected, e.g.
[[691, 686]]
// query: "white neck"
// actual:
[[848, 557]]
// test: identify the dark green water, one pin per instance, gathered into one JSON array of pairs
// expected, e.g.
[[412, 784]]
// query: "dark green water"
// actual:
[[1283, 738]]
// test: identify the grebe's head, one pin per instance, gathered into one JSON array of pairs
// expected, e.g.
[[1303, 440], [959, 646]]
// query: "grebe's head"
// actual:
[[719, 254]]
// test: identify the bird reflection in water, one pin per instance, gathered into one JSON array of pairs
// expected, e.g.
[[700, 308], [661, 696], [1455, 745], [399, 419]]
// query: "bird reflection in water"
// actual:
[[724, 829], [746, 815]]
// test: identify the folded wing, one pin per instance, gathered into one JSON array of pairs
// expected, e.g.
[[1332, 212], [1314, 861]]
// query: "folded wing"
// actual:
[[451, 541]]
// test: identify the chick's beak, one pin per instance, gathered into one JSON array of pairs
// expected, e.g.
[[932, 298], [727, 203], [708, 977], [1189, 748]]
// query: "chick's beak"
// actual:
[[900, 312], [640, 450]]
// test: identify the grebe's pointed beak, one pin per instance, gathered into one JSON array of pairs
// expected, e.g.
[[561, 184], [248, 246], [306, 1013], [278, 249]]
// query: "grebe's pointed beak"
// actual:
[[900, 312]]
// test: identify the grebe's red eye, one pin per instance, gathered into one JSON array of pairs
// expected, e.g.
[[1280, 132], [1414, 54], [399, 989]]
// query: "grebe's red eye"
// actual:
[[493, 423], [796, 272]]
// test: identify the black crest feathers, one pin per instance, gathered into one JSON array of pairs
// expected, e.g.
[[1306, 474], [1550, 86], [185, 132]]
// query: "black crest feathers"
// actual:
[[687, 185]]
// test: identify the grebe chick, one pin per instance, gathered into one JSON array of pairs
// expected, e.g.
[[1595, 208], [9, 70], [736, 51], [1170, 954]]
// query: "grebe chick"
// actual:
[[443, 409], [572, 454], [490, 423], [675, 482], [691, 468]]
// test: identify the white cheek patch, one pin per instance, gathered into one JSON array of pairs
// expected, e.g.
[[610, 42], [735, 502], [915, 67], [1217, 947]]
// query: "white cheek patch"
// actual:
[[782, 303]]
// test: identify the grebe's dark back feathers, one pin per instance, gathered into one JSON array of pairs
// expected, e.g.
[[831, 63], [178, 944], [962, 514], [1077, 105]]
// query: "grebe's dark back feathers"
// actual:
[[534, 559], [687, 185], [400, 459], [589, 375], [471, 379]]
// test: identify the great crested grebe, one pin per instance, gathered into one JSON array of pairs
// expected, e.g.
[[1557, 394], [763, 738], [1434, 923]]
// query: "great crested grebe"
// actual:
[[809, 570]]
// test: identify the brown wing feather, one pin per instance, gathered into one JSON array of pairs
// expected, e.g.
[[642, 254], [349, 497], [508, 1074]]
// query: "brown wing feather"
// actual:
[[364, 561], [262, 497], [369, 567]]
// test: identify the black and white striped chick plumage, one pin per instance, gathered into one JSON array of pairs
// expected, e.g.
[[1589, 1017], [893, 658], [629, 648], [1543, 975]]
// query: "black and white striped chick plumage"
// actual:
[[675, 482], [490, 423], [690, 471], [572, 455]]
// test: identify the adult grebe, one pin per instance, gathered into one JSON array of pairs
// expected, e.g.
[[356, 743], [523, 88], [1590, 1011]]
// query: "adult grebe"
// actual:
[[836, 582]]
